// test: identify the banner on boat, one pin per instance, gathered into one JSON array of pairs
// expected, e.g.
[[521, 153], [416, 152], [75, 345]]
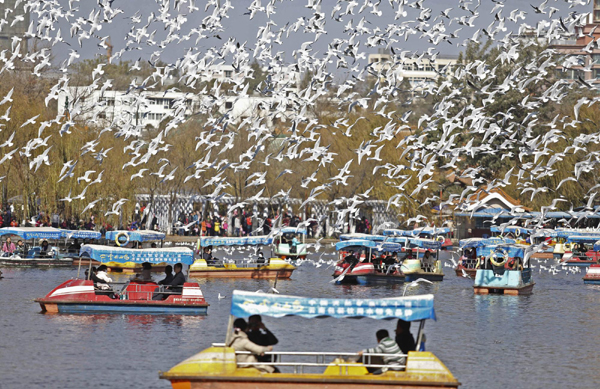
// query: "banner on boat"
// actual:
[[417, 231], [137, 236], [244, 304], [80, 234], [480, 242], [32, 232], [235, 241], [119, 254]]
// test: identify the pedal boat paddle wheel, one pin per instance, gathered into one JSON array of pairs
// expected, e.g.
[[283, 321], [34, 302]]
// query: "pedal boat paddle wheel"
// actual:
[[470, 260], [360, 262], [32, 254], [216, 366], [130, 239], [498, 278], [135, 297], [580, 250], [215, 268]]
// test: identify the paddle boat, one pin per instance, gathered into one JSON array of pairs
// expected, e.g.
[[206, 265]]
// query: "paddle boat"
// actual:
[[578, 251], [265, 268], [506, 270], [363, 262], [422, 260], [469, 260], [31, 254], [86, 236], [283, 246], [441, 234], [135, 296], [217, 368], [592, 276], [130, 239]]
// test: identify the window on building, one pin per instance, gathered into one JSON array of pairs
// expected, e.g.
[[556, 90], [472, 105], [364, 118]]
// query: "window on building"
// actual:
[[228, 104], [596, 74], [228, 73]]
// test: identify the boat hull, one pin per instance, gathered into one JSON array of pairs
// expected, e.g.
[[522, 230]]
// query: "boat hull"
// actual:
[[471, 272], [50, 262], [122, 307], [425, 275], [242, 273], [591, 281], [579, 263], [503, 281], [524, 290], [295, 383]]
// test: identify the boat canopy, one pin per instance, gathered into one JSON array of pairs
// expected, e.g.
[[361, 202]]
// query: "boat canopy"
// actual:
[[377, 238], [358, 243], [512, 250], [154, 255], [511, 230], [236, 241], [583, 239], [137, 236], [566, 233], [426, 243], [292, 230], [480, 242], [411, 308], [32, 232], [597, 246], [80, 234], [417, 231]]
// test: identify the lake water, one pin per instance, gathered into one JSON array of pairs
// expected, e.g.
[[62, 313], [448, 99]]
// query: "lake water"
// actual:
[[549, 339]]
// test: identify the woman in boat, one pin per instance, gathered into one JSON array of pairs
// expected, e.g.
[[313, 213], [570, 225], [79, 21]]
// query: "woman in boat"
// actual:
[[44, 252], [103, 278], [8, 246], [240, 342]]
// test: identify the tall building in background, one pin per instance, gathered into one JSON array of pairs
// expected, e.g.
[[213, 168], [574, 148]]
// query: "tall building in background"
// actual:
[[9, 14]]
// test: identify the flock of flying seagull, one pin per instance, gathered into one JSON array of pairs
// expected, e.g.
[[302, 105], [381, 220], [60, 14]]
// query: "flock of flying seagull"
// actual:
[[461, 124]]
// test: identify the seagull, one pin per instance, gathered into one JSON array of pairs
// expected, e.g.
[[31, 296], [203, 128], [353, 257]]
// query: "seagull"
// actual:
[[415, 283]]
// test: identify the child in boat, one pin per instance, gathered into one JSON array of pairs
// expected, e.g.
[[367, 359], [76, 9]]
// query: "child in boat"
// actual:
[[387, 346], [240, 342]]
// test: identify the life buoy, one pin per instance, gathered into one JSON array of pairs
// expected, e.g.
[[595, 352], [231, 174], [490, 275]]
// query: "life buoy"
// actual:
[[494, 255], [440, 239], [120, 234], [518, 232]]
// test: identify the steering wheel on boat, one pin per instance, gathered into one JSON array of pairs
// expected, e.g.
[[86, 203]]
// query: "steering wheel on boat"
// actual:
[[495, 254], [118, 240]]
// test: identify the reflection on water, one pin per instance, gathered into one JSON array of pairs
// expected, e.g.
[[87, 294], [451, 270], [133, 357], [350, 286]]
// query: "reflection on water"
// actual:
[[549, 339]]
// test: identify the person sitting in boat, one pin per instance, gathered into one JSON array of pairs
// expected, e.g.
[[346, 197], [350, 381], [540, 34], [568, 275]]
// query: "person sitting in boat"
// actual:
[[20, 249], [45, 249], [168, 276], [146, 274], [261, 258], [75, 246], [404, 338], [294, 245], [409, 254], [515, 264], [207, 256], [427, 261], [174, 287], [240, 342], [102, 278], [260, 335], [8, 246], [388, 346]]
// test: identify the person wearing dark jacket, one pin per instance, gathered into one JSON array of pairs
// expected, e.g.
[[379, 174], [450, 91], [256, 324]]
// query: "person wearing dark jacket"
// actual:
[[175, 286], [259, 334], [168, 276], [404, 338]]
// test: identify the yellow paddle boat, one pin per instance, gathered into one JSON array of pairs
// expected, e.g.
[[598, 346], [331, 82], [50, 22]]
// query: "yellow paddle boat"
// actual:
[[218, 368]]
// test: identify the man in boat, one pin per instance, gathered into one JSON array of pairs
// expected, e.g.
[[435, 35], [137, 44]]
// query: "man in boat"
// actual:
[[388, 346], [74, 246], [259, 334], [404, 339], [240, 342], [20, 247], [427, 261], [351, 259], [168, 276], [175, 286]]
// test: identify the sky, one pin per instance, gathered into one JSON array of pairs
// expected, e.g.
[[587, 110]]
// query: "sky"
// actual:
[[239, 26]]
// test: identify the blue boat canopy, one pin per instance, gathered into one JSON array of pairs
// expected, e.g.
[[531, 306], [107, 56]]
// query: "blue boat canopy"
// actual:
[[119, 254], [80, 234], [137, 236], [480, 242], [431, 231], [597, 246], [293, 230], [32, 232], [426, 243], [236, 241], [512, 230], [377, 238], [357, 243], [244, 304], [583, 239], [512, 250]]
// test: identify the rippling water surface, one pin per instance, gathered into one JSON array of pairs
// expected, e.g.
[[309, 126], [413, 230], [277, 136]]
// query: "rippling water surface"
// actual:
[[549, 339]]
